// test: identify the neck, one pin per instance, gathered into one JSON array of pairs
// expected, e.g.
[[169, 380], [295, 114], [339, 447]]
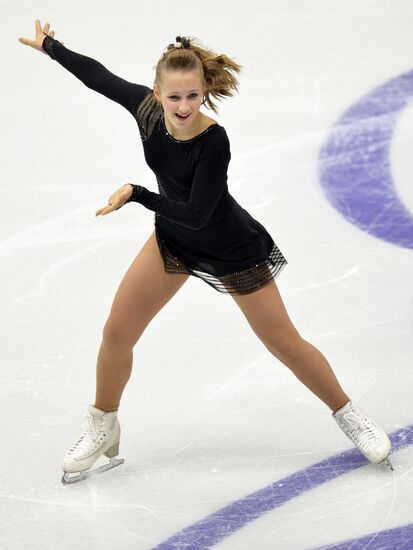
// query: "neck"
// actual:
[[189, 132]]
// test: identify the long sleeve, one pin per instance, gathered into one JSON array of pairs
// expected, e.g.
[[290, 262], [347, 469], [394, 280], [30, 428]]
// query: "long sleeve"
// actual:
[[209, 184], [95, 76]]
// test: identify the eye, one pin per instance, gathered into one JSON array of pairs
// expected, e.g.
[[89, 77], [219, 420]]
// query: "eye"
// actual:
[[176, 97]]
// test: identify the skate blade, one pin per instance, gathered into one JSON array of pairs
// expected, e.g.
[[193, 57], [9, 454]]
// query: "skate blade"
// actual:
[[68, 479], [388, 463]]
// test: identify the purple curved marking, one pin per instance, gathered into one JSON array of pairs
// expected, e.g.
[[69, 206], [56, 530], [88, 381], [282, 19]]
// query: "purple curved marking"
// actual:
[[222, 523], [354, 164], [400, 538]]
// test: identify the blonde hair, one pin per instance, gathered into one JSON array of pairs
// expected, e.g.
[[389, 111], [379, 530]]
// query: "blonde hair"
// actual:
[[217, 70]]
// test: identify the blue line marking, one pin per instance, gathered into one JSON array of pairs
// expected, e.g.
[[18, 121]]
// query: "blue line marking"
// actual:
[[222, 523], [400, 538], [354, 164]]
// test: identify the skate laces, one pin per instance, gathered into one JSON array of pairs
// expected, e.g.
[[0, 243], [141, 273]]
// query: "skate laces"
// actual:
[[358, 427], [92, 437]]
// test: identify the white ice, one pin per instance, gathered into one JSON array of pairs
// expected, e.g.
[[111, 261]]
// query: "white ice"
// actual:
[[209, 415]]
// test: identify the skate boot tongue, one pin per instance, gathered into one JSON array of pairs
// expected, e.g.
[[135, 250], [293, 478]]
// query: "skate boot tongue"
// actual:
[[345, 409], [98, 412]]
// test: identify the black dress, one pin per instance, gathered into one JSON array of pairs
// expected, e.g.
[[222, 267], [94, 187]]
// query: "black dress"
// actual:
[[200, 228]]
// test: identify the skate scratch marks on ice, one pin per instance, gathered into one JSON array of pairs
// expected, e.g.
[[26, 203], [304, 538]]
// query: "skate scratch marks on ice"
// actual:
[[221, 524], [355, 167], [400, 537]]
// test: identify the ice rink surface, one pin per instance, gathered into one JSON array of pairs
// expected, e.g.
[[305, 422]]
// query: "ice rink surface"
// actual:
[[223, 446]]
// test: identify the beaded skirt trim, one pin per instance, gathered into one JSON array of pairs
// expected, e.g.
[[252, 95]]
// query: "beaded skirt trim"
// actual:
[[241, 282]]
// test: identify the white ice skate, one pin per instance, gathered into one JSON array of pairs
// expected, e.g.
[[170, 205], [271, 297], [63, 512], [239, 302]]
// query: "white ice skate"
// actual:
[[101, 438], [372, 441]]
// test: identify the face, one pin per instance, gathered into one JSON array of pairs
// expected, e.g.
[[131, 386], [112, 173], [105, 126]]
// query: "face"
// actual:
[[181, 95]]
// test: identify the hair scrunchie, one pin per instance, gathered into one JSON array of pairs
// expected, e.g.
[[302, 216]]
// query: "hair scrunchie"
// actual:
[[180, 42]]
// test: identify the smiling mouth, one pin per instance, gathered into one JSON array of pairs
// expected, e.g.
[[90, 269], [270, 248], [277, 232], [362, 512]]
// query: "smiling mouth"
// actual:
[[182, 117]]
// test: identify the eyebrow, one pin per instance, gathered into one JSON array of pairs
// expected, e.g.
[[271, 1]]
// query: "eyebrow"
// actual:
[[179, 92]]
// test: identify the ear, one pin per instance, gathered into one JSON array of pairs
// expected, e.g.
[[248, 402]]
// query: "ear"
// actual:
[[156, 91]]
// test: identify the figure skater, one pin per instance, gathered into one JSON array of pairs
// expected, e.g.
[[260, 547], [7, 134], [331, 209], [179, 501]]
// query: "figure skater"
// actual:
[[199, 230]]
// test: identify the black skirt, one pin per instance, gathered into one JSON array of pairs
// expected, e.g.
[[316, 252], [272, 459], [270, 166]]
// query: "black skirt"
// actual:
[[237, 255]]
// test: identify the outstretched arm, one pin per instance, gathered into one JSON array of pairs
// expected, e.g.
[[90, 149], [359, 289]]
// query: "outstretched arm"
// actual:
[[95, 76], [92, 73]]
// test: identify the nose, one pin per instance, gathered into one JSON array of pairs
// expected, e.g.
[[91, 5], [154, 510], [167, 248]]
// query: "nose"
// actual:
[[184, 108]]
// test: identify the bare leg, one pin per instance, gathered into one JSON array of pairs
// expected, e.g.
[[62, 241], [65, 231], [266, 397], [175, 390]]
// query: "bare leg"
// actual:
[[267, 316], [143, 291], [113, 370], [311, 367]]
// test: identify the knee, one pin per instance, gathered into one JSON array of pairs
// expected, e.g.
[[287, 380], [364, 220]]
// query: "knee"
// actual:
[[286, 347], [116, 336]]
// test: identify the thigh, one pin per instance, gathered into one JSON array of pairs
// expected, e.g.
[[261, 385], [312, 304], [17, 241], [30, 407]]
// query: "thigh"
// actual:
[[144, 290], [265, 312]]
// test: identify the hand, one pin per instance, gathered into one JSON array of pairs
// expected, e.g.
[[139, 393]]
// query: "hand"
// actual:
[[116, 200], [40, 34]]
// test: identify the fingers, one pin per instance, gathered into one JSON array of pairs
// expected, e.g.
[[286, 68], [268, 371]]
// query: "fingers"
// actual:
[[115, 201], [107, 209], [39, 35], [26, 41]]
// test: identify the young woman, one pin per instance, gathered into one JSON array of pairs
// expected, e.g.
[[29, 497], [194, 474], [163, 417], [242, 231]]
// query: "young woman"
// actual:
[[200, 230]]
